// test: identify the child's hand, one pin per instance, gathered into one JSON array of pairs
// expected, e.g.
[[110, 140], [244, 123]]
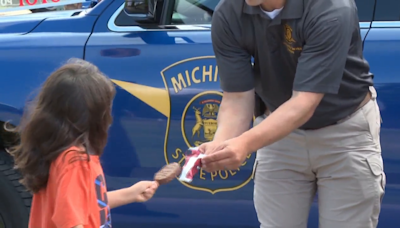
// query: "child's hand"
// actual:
[[144, 190]]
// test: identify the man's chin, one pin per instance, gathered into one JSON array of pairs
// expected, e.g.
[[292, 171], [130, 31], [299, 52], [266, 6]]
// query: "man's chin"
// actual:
[[253, 2]]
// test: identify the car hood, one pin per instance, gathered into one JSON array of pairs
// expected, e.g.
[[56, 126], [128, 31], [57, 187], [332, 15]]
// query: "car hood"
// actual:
[[24, 23]]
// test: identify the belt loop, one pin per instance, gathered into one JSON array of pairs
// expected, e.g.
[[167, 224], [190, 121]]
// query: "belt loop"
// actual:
[[373, 93]]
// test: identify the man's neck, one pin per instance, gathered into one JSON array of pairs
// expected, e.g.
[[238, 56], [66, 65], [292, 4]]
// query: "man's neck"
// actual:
[[271, 5]]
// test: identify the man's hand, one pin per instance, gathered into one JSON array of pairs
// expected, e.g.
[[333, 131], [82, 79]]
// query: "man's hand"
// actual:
[[209, 147], [228, 155]]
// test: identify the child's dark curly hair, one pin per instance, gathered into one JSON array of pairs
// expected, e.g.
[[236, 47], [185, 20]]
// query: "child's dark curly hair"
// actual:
[[73, 107]]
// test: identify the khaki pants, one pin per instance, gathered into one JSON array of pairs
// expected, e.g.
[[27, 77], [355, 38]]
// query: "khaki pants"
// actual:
[[343, 162]]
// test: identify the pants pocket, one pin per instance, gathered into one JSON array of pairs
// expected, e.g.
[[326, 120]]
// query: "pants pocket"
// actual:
[[253, 175], [373, 119], [375, 164]]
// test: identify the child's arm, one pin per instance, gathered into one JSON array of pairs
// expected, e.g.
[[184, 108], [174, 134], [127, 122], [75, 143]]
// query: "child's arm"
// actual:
[[71, 204], [139, 192]]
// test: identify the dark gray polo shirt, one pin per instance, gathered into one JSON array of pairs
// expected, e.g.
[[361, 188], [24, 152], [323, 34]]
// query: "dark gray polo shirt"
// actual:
[[311, 46]]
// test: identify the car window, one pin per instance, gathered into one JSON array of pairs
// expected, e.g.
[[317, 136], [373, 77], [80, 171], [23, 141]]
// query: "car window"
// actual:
[[200, 11], [365, 9], [191, 12], [186, 12], [387, 10]]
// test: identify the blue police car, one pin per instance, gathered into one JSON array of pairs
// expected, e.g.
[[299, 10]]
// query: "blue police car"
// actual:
[[159, 55]]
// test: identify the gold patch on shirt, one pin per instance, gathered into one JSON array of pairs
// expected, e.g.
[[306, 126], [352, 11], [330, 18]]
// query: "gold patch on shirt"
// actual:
[[289, 41]]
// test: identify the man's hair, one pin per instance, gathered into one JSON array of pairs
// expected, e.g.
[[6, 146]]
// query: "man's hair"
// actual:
[[73, 108]]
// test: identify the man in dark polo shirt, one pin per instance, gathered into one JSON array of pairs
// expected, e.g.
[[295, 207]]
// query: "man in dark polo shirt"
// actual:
[[318, 122]]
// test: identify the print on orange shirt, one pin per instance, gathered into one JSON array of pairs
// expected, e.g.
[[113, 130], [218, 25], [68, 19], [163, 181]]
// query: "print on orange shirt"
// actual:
[[102, 200]]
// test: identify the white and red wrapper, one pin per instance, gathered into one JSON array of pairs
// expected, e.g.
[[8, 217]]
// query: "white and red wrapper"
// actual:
[[192, 164]]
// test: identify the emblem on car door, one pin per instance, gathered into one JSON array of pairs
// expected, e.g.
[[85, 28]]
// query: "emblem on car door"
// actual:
[[194, 107], [190, 100]]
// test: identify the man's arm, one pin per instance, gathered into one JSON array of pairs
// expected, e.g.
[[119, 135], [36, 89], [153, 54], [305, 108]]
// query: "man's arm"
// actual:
[[234, 115], [319, 71], [288, 117], [236, 76]]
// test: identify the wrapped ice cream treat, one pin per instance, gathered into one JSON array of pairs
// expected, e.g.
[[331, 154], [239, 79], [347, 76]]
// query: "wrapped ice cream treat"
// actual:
[[192, 164]]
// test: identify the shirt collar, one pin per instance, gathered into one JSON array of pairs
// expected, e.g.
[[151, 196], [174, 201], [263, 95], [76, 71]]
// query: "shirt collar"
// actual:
[[293, 9]]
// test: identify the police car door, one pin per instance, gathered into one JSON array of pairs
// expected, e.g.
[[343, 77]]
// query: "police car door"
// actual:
[[167, 100]]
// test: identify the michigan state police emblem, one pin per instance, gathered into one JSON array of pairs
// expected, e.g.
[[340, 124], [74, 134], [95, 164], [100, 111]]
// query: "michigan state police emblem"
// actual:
[[194, 105]]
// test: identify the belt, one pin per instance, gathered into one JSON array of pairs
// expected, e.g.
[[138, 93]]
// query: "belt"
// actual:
[[362, 104]]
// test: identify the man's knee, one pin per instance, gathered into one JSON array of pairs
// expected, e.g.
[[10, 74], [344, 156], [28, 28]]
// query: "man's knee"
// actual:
[[282, 196], [286, 205]]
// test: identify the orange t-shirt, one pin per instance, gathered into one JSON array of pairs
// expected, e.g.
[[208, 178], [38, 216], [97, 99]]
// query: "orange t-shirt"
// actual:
[[75, 194]]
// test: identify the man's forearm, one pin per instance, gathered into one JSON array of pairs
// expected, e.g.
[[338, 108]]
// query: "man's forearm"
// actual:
[[288, 117], [235, 114], [231, 125]]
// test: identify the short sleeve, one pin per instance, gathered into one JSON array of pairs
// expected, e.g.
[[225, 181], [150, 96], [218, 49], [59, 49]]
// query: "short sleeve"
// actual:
[[322, 62], [71, 206], [234, 62]]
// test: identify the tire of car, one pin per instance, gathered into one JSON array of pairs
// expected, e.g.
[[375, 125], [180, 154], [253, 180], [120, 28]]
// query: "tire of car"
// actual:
[[15, 200]]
